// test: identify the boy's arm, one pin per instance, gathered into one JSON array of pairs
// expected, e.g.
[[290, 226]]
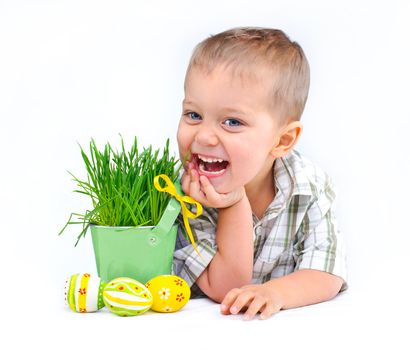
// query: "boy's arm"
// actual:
[[320, 270], [305, 287], [233, 263], [300, 288]]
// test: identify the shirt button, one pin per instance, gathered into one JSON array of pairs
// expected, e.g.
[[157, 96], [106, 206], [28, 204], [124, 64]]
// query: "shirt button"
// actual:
[[258, 230]]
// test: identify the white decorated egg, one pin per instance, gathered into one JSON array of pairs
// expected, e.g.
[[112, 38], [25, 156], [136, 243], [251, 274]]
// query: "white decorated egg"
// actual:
[[83, 292]]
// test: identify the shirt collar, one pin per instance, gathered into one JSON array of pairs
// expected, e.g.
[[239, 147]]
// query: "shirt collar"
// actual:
[[290, 179]]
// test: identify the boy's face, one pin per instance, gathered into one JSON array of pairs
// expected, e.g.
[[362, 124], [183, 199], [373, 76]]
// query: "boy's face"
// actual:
[[226, 128]]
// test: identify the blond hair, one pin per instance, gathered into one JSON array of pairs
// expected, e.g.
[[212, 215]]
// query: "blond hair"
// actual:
[[283, 62]]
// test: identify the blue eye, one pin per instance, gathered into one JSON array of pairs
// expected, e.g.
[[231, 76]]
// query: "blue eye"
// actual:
[[232, 122], [193, 116]]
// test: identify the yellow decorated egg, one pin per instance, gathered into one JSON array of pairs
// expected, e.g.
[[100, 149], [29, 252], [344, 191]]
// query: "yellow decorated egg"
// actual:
[[126, 297], [83, 292], [170, 293]]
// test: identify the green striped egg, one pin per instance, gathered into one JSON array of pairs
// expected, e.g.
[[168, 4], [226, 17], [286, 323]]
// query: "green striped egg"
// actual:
[[127, 297], [83, 292]]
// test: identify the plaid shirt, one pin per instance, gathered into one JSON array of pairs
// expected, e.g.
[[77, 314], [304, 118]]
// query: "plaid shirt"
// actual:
[[298, 229]]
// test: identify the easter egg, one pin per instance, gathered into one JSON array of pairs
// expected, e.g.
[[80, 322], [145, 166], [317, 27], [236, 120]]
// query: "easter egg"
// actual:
[[126, 297], [170, 293], [83, 292]]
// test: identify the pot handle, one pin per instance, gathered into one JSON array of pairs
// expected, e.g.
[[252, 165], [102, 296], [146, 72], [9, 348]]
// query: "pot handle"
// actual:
[[176, 191], [170, 214]]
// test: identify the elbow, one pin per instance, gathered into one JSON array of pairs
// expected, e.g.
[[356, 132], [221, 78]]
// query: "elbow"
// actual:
[[218, 291], [214, 292], [334, 286], [217, 298]]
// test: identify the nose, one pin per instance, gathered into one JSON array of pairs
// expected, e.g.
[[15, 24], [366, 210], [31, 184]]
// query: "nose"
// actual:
[[206, 136]]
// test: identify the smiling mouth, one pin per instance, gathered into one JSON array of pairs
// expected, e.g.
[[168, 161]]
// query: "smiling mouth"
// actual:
[[210, 166]]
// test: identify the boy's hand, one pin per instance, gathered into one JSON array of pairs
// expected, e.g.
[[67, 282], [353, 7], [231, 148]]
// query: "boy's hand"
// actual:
[[201, 189], [253, 298]]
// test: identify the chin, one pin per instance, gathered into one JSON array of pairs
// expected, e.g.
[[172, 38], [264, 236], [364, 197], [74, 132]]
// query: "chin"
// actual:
[[219, 186]]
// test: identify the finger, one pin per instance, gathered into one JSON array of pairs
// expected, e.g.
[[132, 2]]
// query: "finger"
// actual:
[[190, 166], [195, 187], [187, 165], [206, 184], [255, 306], [269, 310], [219, 200], [229, 299], [185, 181], [242, 300], [208, 189]]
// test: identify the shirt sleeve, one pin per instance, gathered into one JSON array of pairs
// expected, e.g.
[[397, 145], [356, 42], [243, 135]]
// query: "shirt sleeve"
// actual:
[[320, 244], [187, 263]]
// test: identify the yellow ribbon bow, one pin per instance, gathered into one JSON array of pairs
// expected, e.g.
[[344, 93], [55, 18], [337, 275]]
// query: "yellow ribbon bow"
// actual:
[[186, 213]]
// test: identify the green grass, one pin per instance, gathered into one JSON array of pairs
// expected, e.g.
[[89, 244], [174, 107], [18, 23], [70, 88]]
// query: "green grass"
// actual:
[[120, 185]]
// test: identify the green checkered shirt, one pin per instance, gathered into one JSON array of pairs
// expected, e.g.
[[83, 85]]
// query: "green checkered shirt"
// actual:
[[297, 231]]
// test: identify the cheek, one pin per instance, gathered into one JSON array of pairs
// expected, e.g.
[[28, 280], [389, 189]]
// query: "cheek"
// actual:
[[245, 164], [183, 140], [246, 167]]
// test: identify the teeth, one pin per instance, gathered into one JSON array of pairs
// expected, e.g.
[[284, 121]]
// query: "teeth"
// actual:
[[202, 168], [210, 160]]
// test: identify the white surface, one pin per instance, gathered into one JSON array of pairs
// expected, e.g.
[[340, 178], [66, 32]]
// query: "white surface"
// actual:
[[350, 321], [72, 70]]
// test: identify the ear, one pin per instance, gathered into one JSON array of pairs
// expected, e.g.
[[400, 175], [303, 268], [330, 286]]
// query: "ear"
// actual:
[[287, 139]]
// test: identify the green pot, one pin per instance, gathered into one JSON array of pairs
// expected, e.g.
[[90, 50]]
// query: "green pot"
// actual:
[[140, 253], [136, 252]]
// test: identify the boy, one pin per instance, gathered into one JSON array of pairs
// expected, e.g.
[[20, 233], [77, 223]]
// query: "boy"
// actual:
[[267, 238]]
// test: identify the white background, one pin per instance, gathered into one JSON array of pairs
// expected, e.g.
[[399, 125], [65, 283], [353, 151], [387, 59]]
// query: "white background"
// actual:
[[72, 70]]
